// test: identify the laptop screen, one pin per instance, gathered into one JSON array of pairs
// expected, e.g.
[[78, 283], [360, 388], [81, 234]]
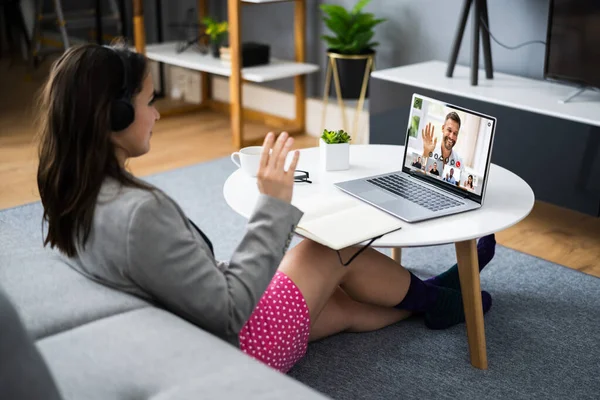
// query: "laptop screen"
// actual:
[[449, 143]]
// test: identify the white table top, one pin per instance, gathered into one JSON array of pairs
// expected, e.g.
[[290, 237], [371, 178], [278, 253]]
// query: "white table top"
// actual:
[[534, 95], [509, 198]]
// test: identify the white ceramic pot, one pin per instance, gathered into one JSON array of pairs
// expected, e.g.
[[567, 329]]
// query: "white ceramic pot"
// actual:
[[334, 157]]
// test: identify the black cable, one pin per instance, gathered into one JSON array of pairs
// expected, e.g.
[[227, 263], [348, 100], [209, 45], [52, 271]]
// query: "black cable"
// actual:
[[509, 47], [358, 252]]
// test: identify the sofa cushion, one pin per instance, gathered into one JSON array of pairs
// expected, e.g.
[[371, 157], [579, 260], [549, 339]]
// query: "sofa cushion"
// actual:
[[49, 295], [23, 373], [152, 354]]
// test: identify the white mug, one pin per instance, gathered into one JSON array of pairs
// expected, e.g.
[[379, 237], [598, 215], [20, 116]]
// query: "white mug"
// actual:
[[249, 159]]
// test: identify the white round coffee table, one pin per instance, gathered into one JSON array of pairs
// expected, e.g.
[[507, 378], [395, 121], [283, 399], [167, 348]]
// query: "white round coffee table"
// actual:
[[509, 199]]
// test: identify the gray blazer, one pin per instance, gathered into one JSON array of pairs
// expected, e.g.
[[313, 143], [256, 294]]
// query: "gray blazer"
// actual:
[[142, 243]]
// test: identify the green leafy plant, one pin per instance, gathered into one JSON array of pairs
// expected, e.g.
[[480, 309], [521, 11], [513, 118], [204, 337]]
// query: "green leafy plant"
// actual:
[[418, 103], [335, 137], [414, 126], [353, 30], [216, 30]]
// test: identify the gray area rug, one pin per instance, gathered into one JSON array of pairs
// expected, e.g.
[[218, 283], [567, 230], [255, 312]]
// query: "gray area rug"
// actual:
[[543, 331]]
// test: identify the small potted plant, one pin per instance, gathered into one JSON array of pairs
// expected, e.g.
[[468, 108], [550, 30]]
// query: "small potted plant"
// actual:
[[335, 150], [217, 32]]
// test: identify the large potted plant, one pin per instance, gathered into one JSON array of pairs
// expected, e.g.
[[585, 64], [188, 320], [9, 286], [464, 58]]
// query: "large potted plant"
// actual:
[[351, 42], [335, 150]]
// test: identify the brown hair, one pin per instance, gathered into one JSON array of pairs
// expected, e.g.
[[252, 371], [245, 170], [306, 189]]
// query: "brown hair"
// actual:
[[75, 150], [454, 117]]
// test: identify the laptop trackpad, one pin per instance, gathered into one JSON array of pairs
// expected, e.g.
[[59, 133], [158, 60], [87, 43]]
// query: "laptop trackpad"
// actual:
[[377, 196]]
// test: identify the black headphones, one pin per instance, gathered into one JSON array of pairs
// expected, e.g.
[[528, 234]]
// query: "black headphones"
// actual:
[[122, 112]]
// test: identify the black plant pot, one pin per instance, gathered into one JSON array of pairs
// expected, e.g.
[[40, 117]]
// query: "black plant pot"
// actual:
[[351, 73], [214, 49]]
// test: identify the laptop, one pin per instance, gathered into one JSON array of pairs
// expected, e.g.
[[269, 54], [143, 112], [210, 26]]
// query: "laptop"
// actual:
[[445, 166]]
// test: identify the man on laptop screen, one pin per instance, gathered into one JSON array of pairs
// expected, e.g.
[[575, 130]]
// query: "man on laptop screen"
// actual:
[[445, 149]]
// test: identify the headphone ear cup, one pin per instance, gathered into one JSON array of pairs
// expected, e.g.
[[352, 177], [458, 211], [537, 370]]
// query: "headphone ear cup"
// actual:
[[122, 115]]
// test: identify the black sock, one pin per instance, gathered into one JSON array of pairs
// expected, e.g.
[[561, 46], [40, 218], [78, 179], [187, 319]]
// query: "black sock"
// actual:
[[448, 309], [442, 306], [486, 249], [420, 295]]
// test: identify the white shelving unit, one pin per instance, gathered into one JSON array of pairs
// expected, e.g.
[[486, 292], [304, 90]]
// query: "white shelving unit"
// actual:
[[276, 69]]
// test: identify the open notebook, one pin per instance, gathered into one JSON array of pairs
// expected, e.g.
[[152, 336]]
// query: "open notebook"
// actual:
[[338, 220]]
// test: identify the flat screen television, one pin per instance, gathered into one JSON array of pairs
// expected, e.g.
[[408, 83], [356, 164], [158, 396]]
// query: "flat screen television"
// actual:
[[573, 42]]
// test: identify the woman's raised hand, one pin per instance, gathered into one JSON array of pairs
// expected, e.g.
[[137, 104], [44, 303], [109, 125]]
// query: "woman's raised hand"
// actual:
[[272, 178]]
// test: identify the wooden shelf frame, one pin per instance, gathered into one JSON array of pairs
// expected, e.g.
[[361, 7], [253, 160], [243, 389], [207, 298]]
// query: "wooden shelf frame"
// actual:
[[237, 112]]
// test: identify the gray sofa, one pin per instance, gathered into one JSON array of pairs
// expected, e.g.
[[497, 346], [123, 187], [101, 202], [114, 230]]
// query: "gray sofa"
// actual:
[[102, 344]]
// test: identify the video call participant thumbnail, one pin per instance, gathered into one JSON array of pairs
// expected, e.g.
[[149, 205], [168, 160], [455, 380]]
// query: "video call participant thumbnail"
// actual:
[[434, 167], [417, 162], [450, 177], [469, 183]]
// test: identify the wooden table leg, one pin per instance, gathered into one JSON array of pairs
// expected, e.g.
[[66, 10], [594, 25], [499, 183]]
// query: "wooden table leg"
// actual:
[[397, 254], [468, 268]]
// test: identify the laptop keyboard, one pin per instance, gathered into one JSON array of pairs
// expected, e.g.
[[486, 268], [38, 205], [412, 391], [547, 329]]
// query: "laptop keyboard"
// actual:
[[414, 192]]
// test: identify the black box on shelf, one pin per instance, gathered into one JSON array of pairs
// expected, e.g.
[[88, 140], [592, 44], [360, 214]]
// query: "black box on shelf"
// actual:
[[255, 54]]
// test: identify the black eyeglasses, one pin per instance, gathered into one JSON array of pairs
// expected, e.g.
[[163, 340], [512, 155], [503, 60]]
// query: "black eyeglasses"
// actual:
[[301, 176]]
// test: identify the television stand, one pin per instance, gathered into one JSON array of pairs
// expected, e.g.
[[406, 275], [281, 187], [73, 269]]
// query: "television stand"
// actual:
[[577, 93], [555, 147]]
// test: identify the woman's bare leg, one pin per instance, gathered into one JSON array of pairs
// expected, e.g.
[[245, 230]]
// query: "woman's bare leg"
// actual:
[[372, 278], [317, 272], [341, 313], [376, 279]]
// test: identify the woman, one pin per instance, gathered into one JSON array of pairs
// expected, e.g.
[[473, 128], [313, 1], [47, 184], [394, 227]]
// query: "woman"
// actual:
[[469, 182], [97, 113]]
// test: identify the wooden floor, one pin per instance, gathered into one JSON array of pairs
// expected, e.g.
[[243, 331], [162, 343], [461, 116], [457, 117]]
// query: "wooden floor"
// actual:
[[552, 233]]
